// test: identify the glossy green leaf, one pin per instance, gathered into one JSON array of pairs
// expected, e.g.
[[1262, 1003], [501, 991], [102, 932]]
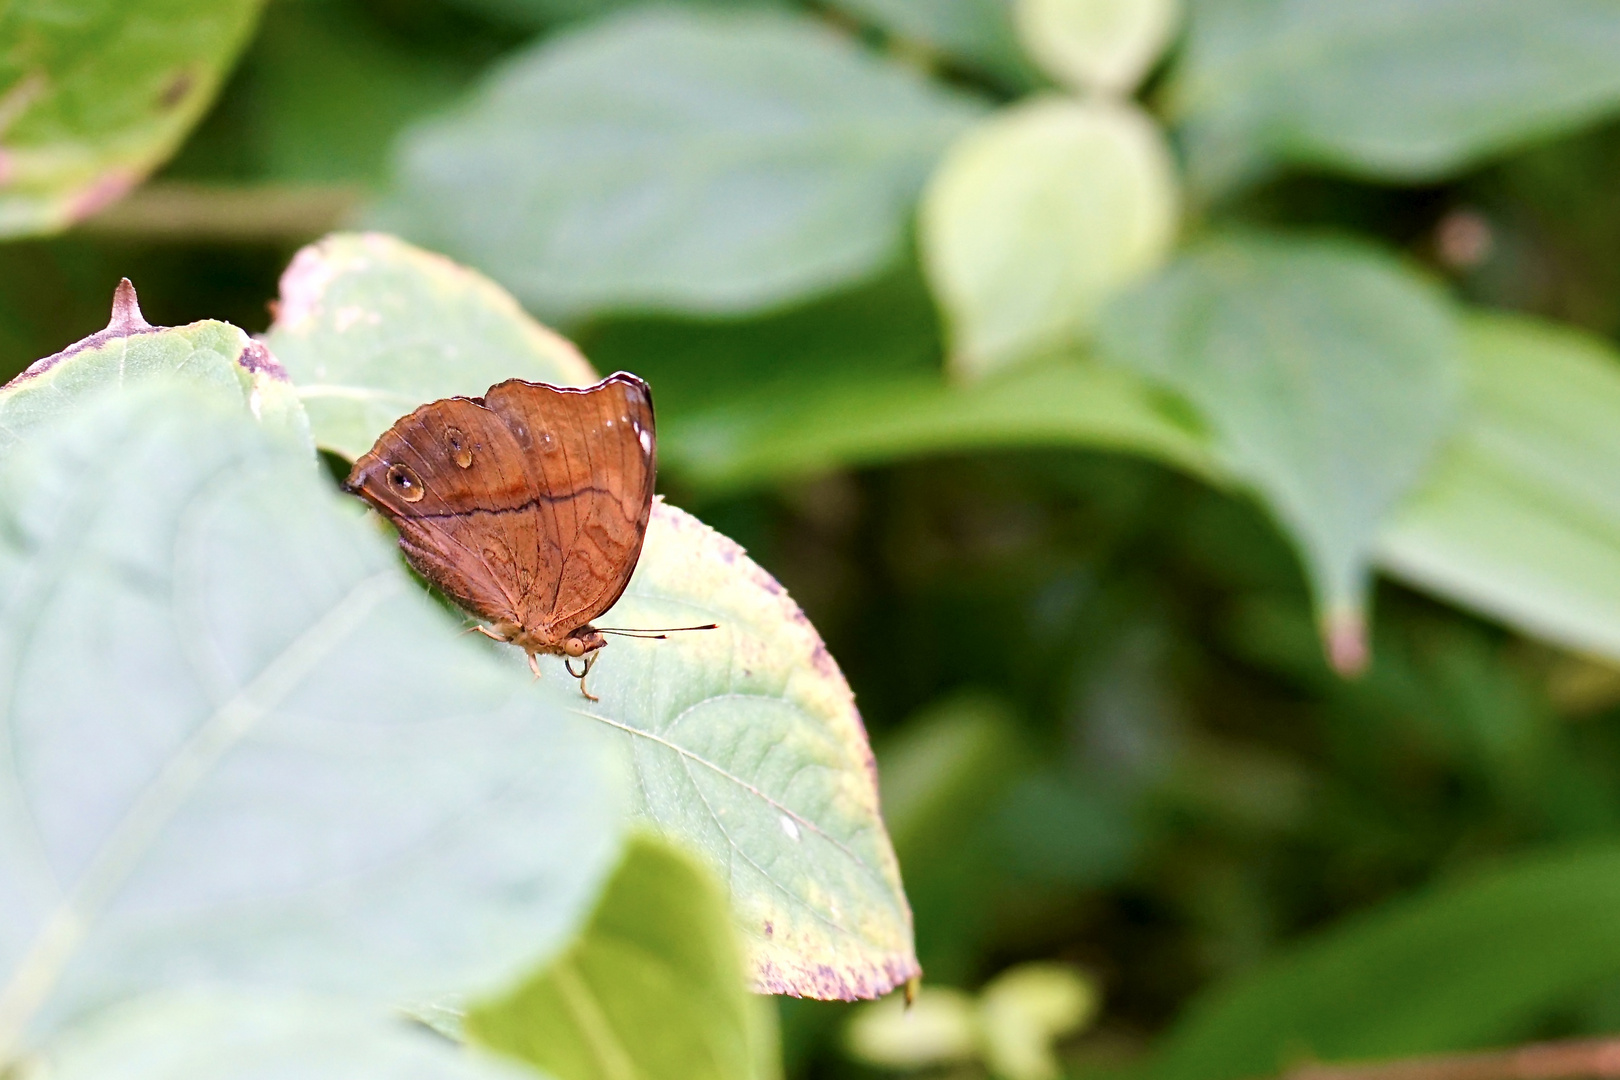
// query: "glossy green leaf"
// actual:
[[1038, 217], [131, 351], [203, 1036], [370, 327], [1106, 46], [208, 652], [1469, 964], [977, 32], [678, 160], [653, 987], [95, 94], [1328, 374], [1062, 402], [1520, 518], [1403, 89], [745, 739]]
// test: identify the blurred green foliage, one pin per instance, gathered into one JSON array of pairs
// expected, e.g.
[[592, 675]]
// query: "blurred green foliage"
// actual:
[[1086, 650]]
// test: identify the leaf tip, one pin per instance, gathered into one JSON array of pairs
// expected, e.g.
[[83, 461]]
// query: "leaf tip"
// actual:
[[126, 310], [1344, 633]]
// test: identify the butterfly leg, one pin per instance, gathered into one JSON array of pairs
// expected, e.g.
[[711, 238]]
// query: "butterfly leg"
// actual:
[[534, 665], [580, 675], [486, 631]]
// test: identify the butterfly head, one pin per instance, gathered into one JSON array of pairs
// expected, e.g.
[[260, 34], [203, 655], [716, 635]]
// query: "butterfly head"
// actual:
[[582, 641]]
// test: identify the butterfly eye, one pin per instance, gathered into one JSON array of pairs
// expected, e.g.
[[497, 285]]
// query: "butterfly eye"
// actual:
[[573, 646], [405, 483], [460, 452]]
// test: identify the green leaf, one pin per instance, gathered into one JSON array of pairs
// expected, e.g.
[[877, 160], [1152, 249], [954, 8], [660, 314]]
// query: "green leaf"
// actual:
[[201, 1035], [979, 32], [653, 987], [1401, 89], [1063, 402], [1328, 374], [678, 160], [370, 327], [130, 351], [1039, 216], [1520, 518], [1470, 964], [207, 652], [537, 14], [745, 739], [95, 94], [747, 745], [1103, 46]]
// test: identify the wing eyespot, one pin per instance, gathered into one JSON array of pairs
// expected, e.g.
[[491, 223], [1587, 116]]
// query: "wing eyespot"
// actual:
[[403, 481]]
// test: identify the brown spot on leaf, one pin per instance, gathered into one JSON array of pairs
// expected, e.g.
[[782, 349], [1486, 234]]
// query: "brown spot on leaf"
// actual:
[[174, 93], [257, 358]]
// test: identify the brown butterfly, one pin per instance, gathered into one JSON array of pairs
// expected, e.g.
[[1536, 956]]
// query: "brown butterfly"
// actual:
[[527, 506]]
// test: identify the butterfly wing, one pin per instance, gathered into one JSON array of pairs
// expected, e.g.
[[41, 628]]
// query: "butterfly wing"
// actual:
[[455, 483], [592, 453]]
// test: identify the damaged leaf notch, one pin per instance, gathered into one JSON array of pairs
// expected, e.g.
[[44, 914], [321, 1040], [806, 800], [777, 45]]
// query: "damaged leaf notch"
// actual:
[[209, 352]]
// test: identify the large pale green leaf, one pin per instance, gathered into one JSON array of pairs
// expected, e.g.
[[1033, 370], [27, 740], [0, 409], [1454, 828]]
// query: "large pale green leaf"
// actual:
[[745, 739], [1328, 374], [979, 32], [653, 987], [1062, 402], [1406, 89], [1520, 518], [205, 1036], [370, 327], [747, 745], [130, 351], [1105, 46], [95, 93], [1036, 218], [671, 159], [1477, 962], [240, 746]]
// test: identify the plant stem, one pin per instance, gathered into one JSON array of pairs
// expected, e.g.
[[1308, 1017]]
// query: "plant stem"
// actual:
[[189, 212], [1571, 1058]]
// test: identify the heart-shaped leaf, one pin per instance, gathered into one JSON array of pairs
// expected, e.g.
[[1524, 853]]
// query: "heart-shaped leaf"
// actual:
[[1328, 374], [239, 746], [198, 1036], [370, 327], [653, 987], [746, 740], [93, 96], [1039, 216], [678, 160], [209, 354]]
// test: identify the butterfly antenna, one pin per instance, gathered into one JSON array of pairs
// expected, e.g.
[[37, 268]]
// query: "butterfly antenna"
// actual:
[[653, 635]]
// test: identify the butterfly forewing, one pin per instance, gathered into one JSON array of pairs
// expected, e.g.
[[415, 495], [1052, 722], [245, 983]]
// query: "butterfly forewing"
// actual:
[[528, 505], [592, 455]]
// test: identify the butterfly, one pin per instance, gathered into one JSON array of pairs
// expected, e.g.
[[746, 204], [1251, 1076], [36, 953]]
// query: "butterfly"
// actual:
[[527, 506]]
